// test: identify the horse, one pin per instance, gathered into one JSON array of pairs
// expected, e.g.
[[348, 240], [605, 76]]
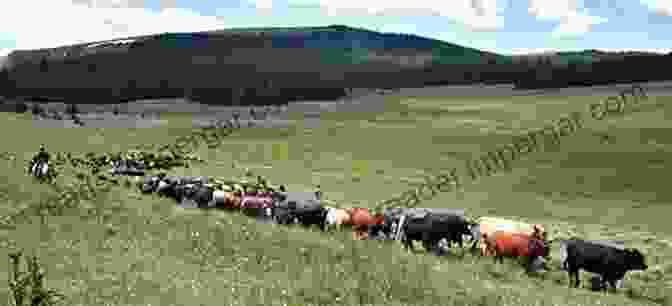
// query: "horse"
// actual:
[[41, 170]]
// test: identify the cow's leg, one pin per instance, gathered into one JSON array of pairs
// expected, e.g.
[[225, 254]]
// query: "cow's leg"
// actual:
[[606, 283], [408, 243], [611, 281], [427, 241], [473, 244], [428, 245], [574, 275], [528, 263], [570, 277], [485, 249]]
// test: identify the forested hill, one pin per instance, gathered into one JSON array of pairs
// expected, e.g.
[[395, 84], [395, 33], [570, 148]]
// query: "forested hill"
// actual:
[[235, 65], [337, 38]]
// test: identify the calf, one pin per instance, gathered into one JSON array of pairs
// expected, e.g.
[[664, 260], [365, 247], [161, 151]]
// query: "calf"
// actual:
[[609, 262], [517, 245]]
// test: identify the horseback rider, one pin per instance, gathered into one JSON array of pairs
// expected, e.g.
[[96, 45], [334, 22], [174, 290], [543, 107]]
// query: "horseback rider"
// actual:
[[41, 156]]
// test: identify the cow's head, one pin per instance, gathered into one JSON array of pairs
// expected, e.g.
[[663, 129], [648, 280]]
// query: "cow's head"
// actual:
[[538, 232], [634, 259], [471, 231]]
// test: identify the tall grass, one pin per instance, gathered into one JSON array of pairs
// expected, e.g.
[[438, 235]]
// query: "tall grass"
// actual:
[[27, 287]]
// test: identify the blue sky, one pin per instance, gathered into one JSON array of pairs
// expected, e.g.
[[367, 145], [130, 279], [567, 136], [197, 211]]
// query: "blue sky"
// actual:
[[508, 27]]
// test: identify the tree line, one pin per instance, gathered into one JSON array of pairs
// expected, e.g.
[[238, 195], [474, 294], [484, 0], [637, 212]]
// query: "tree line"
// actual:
[[625, 69], [111, 78]]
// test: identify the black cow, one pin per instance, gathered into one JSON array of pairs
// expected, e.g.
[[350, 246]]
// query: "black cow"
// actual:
[[197, 195], [283, 215], [305, 215], [300, 207], [609, 262], [432, 228], [380, 231], [202, 195], [149, 184], [311, 215], [170, 187]]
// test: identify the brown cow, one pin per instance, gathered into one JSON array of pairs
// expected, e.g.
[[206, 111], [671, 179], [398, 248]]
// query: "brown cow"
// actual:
[[227, 199], [489, 225], [517, 245], [337, 217], [361, 220]]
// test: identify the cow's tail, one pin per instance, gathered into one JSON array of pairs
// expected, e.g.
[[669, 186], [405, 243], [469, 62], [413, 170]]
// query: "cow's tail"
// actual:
[[563, 255]]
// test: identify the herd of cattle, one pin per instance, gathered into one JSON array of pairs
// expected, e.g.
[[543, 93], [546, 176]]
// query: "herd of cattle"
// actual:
[[437, 229]]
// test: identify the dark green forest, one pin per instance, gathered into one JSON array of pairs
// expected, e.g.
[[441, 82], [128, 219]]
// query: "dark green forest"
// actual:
[[280, 65]]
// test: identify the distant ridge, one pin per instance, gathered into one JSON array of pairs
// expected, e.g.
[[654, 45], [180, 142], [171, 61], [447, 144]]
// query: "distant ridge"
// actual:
[[253, 65], [333, 36], [243, 62]]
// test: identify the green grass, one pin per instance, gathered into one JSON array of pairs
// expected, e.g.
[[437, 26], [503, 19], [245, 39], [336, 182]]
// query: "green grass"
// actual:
[[140, 250]]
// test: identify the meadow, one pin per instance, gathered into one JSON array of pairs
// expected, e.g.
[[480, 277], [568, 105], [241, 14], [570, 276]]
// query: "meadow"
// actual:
[[142, 250]]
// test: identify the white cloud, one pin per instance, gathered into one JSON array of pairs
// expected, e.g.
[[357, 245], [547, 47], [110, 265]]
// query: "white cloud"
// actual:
[[536, 51], [263, 4], [110, 3], [527, 51], [475, 14], [53, 23], [663, 7], [404, 28], [572, 21]]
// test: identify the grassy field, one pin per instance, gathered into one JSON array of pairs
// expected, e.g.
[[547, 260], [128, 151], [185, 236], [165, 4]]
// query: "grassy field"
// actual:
[[140, 250]]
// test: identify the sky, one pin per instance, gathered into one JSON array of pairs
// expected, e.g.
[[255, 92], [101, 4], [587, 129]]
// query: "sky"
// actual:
[[502, 26]]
